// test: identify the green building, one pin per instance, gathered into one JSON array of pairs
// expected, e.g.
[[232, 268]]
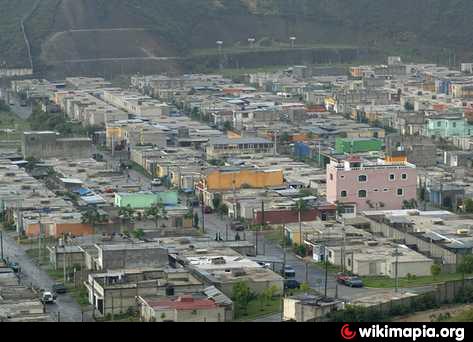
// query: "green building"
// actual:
[[448, 126], [357, 145], [144, 200]]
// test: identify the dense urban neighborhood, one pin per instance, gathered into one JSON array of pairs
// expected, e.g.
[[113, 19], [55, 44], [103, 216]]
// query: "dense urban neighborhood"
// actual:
[[305, 193]]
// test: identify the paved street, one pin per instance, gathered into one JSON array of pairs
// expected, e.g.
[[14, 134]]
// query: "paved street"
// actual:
[[69, 310], [22, 112], [316, 276]]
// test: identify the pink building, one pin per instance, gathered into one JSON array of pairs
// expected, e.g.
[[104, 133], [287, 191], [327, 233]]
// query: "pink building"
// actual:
[[364, 185]]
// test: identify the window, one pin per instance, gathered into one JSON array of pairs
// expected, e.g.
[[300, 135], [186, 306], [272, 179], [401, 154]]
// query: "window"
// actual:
[[362, 178], [439, 124], [362, 194], [392, 177], [343, 194], [454, 124], [400, 192], [375, 190], [404, 176], [331, 176], [385, 190]]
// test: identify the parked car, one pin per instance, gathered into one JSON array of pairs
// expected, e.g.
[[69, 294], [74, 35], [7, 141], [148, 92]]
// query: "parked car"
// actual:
[[59, 288], [289, 272], [342, 278], [15, 267], [264, 264], [156, 182], [48, 298], [238, 226], [291, 284], [354, 282]]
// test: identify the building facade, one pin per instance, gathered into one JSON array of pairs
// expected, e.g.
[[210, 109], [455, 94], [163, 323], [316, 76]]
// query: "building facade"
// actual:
[[361, 185]]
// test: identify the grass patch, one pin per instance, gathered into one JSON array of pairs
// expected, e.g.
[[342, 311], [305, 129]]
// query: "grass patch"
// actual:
[[33, 253], [257, 309], [9, 120], [80, 295], [331, 268], [134, 166], [385, 282]]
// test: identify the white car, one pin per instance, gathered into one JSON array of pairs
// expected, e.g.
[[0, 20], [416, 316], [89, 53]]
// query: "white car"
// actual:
[[156, 182]]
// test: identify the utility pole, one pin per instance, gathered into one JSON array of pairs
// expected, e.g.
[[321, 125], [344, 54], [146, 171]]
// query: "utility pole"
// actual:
[[326, 268], [1, 243], [39, 239], [203, 214], [283, 271], [64, 258], [396, 274]]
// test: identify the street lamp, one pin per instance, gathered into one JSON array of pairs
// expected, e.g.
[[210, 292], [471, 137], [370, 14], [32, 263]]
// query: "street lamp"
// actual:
[[219, 44], [293, 41]]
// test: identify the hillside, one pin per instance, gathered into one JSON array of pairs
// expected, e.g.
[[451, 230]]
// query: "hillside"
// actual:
[[79, 31]]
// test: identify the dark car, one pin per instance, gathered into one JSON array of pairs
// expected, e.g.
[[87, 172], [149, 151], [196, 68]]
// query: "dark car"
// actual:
[[291, 284], [289, 272], [59, 288], [354, 282], [238, 226], [15, 267]]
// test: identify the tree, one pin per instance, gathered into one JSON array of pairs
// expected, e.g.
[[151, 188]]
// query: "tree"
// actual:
[[92, 217], [216, 201], [126, 213], [435, 270], [466, 266], [242, 295], [227, 126], [138, 233], [468, 205], [156, 212], [301, 207], [305, 287]]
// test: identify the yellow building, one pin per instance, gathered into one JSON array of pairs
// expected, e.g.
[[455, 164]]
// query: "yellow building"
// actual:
[[114, 133], [227, 179], [397, 157]]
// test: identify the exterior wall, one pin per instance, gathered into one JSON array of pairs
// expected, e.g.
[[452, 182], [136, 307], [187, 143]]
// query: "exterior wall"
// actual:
[[143, 201], [289, 216], [200, 315], [57, 259], [47, 145], [58, 229], [221, 180], [378, 180], [357, 146], [129, 258], [418, 268]]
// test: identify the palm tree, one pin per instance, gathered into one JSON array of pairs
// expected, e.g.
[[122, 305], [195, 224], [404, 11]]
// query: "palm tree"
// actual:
[[127, 213], [156, 212], [91, 216]]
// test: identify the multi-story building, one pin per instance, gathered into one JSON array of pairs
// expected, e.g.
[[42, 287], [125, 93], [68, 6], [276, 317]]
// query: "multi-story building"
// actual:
[[224, 147], [448, 126], [358, 184]]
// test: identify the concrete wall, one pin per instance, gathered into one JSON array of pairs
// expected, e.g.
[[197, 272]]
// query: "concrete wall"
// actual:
[[47, 145], [123, 258]]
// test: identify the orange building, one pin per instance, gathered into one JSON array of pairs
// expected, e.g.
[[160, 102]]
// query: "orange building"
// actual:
[[52, 229], [229, 178]]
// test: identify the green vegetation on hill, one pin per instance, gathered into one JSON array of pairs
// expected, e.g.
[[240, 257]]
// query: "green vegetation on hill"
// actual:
[[430, 28]]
